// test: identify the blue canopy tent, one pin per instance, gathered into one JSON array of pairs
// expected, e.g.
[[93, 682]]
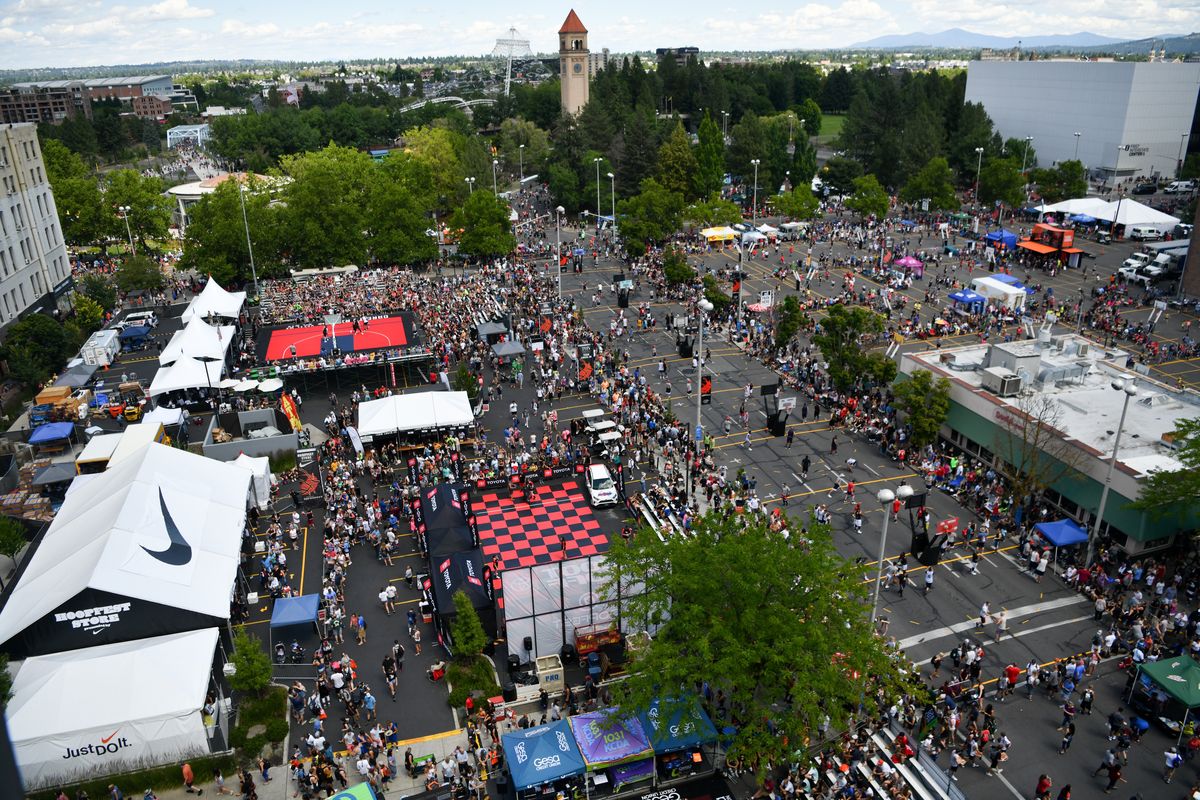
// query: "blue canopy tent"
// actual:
[[687, 727], [542, 754], [1006, 238], [1062, 533], [51, 432], [972, 300], [292, 611], [1083, 219], [134, 336]]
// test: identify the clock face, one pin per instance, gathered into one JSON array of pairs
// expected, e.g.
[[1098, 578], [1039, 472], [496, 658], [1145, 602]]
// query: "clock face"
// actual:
[[578, 67]]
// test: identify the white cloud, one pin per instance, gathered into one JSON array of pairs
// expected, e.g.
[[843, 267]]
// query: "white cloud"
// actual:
[[172, 10], [11, 36], [233, 27]]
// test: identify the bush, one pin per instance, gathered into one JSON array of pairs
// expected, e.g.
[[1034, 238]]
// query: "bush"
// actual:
[[467, 678], [277, 730], [160, 779]]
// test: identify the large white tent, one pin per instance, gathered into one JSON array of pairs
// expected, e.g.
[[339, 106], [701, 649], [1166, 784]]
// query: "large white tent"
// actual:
[[414, 412], [150, 547], [101, 710], [1129, 212], [187, 373], [1080, 205], [213, 301], [262, 479], [198, 340]]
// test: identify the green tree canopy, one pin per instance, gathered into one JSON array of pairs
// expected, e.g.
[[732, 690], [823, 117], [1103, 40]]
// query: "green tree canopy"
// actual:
[[516, 132], [714, 211], [652, 215], [254, 670], [149, 210], [840, 339], [214, 243], [139, 272], [88, 314], [792, 318], [467, 631], [1175, 491], [839, 173], [934, 182], [925, 403], [1001, 179], [98, 288], [710, 158], [869, 198], [396, 224], [677, 164], [486, 229], [676, 269], [12, 542], [36, 347], [799, 203], [1064, 181], [324, 218], [777, 625]]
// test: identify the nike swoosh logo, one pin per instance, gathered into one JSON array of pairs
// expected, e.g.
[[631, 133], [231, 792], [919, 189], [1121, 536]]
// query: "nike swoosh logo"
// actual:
[[180, 552], [108, 738]]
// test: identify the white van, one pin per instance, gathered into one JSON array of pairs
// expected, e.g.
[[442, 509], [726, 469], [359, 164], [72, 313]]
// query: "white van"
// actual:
[[1144, 233], [139, 318], [1180, 187]]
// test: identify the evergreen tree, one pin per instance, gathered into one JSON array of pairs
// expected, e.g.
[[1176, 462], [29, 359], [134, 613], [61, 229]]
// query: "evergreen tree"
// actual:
[[677, 165], [710, 158]]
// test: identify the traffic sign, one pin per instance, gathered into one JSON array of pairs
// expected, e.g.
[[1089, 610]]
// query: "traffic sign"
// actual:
[[948, 525], [699, 434]]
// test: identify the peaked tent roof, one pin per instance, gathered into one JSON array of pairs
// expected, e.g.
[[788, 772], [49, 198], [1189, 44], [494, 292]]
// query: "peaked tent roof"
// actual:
[[1062, 533], [542, 754], [411, 412], [572, 24], [90, 688], [187, 373], [1178, 677], [198, 340], [105, 529], [296, 610], [214, 301], [688, 725], [442, 506], [1131, 212], [1079, 205]]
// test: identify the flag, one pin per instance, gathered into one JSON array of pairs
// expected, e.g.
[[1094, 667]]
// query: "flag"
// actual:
[[288, 406]]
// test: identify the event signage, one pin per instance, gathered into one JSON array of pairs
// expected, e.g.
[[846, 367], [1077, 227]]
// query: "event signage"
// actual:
[[604, 739], [93, 620], [106, 745]]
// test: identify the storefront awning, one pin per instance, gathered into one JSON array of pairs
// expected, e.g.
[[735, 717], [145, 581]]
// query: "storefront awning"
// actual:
[[1036, 247]]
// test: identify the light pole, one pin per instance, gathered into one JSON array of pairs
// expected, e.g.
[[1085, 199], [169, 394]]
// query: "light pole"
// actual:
[[1183, 137], [124, 213], [978, 169], [558, 212], [495, 164], [521, 155], [597, 161], [725, 128], [1025, 156], [1130, 391], [1082, 291], [1077, 134], [470, 185], [612, 187], [754, 207], [886, 497], [249, 246], [702, 308]]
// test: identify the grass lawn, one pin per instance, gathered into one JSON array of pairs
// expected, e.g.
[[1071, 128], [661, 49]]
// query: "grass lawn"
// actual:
[[831, 127]]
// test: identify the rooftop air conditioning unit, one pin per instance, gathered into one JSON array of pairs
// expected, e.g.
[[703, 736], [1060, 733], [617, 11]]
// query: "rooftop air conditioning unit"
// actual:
[[1009, 387], [1083, 349]]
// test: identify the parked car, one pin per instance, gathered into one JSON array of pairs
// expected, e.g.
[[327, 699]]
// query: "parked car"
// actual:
[[1146, 187], [1144, 233], [1143, 275], [602, 491]]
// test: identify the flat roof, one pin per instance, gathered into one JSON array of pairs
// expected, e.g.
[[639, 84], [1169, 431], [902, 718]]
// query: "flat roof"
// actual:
[[93, 83]]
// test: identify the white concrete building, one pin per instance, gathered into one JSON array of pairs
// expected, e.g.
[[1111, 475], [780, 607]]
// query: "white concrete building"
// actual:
[[35, 273], [1132, 118]]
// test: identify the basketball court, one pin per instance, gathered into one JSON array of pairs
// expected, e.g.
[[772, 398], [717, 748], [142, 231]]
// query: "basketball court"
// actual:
[[316, 340]]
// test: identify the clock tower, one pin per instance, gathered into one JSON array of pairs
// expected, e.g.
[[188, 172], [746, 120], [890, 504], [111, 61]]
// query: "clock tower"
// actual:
[[573, 64]]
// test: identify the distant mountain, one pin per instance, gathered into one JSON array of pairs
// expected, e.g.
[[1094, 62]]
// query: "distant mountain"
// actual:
[[959, 39], [1175, 45]]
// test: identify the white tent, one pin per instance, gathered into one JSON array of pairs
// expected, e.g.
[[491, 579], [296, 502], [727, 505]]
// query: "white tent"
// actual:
[[1003, 293], [414, 412], [721, 233], [767, 229], [133, 439], [1081, 205], [187, 373], [213, 301], [1129, 212], [261, 478], [118, 707], [160, 531], [198, 340], [166, 416]]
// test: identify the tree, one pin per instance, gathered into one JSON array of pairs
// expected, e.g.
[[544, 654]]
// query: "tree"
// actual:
[[1001, 179], [253, 665], [532, 159], [710, 158], [149, 214], [676, 269], [792, 318], [99, 289], [466, 630], [88, 313], [1191, 167], [810, 112], [139, 273], [869, 198], [713, 211], [775, 625], [325, 215], [652, 215], [1063, 181], [714, 295], [36, 347], [464, 381], [840, 339], [839, 173], [925, 403], [1175, 491], [12, 542], [677, 164], [485, 225], [564, 186], [85, 217], [934, 182], [799, 203], [1033, 449], [214, 243], [396, 224]]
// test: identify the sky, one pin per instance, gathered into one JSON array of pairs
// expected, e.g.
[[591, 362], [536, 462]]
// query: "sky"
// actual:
[[68, 33]]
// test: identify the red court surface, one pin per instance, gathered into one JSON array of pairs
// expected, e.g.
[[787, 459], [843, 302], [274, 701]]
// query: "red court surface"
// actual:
[[380, 334], [558, 525]]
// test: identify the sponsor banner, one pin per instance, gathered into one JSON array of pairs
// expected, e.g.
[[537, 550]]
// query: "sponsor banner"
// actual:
[[288, 405], [414, 474], [456, 466]]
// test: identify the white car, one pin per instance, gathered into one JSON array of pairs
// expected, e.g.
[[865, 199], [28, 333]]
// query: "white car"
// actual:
[[139, 319], [602, 491]]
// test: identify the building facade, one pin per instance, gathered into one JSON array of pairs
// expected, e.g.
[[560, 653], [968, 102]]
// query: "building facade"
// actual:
[[35, 272], [1133, 118], [679, 54], [54, 101], [573, 64], [37, 104]]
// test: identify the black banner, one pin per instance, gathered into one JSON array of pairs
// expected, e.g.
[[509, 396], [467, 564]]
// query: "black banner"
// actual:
[[474, 526], [413, 475], [456, 465], [418, 515]]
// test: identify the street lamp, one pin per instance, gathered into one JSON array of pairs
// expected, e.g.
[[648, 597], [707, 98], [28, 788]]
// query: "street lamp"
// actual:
[[1025, 157], [702, 308], [754, 207], [978, 168], [597, 161], [1077, 134], [725, 128], [558, 212], [470, 185], [1130, 391], [521, 154], [1082, 292], [612, 186], [886, 497], [123, 212], [246, 225], [1183, 137], [495, 165]]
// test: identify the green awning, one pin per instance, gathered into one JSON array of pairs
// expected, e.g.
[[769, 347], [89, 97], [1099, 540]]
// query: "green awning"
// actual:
[[1178, 677]]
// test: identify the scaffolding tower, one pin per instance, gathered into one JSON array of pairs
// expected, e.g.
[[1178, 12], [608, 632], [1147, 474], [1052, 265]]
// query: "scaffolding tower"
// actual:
[[507, 49]]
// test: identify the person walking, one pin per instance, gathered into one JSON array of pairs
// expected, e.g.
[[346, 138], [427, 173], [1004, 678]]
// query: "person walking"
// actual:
[[416, 640], [1115, 776], [1001, 625], [189, 780], [1110, 758], [1068, 737], [361, 622], [219, 780], [1173, 760], [1042, 791], [791, 434], [928, 580], [805, 463], [985, 611]]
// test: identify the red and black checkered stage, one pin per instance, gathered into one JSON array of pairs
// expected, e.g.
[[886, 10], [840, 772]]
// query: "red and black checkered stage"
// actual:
[[523, 535]]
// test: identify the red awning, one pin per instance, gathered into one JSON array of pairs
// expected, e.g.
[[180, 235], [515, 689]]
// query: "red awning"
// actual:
[[1036, 247]]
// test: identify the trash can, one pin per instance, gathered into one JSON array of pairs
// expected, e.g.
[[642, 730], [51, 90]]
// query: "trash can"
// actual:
[[426, 610]]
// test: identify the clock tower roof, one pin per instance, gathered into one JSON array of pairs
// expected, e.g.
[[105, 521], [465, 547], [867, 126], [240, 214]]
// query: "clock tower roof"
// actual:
[[572, 24]]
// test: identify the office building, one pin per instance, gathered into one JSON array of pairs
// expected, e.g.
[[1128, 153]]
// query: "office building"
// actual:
[[35, 273], [1132, 118], [680, 54], [597, 62], [1050, 402], [54, 101]]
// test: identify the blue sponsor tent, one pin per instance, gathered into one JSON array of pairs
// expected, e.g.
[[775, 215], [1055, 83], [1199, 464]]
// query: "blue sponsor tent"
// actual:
[[677, 726], [1063, 533], [542, 754], [971, 299], [298, 610], [51, 432], [1002, 237]]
